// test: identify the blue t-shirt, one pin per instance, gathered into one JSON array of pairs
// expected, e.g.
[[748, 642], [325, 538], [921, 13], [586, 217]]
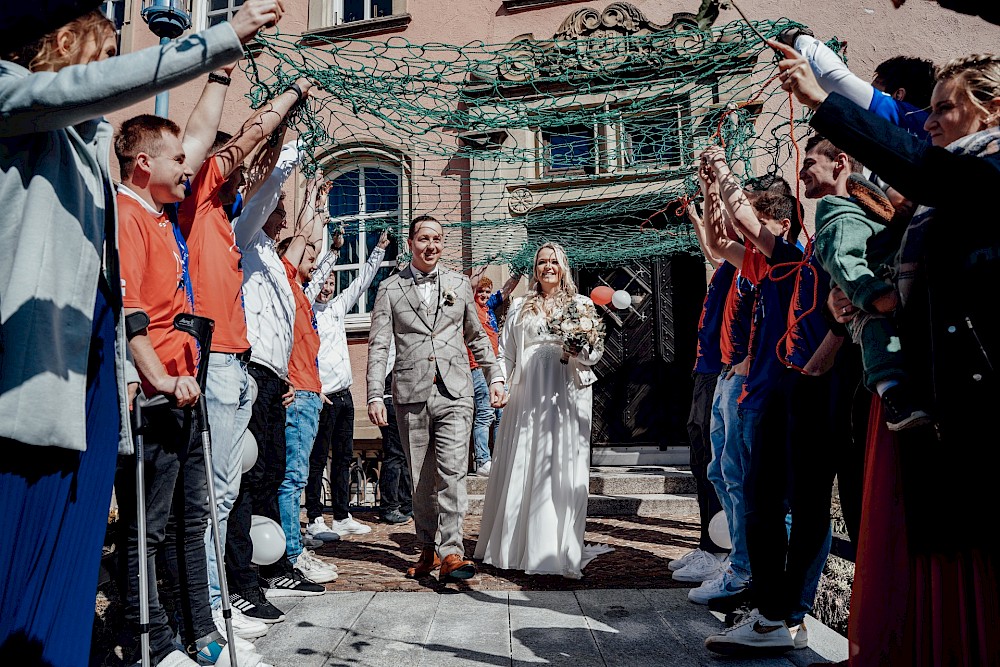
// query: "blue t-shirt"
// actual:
[[770, 321], [709, 355], [491, 305], [901, 114], [812, 286]]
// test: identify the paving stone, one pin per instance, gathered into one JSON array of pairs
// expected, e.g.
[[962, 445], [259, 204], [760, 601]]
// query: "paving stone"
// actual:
[[549, 627], [312, 629]]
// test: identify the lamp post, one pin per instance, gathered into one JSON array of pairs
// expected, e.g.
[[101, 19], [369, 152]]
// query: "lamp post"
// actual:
[[167, 19]]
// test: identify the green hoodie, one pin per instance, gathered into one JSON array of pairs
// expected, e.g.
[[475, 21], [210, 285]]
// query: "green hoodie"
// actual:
[[844, 246]]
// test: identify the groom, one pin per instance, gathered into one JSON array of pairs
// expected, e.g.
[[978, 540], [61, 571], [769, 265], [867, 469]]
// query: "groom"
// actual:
[[430, 314]]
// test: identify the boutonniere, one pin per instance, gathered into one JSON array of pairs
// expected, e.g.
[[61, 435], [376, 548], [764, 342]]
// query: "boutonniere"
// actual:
[[448, 297]]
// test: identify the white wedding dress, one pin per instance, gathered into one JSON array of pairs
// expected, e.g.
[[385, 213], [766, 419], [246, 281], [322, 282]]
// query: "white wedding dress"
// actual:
[[535, 510]]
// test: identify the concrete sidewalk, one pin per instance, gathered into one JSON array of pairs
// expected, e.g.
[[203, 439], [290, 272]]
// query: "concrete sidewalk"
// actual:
[[581, 628]]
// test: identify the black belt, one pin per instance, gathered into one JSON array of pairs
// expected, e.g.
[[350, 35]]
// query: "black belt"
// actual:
[[338, 394], [244, 356]]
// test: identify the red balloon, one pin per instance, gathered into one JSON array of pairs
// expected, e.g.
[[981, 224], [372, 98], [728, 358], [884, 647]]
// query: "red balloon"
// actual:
[[602, 295]]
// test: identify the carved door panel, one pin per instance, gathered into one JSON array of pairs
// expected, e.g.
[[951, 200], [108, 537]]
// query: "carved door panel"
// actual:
[[643, 392]]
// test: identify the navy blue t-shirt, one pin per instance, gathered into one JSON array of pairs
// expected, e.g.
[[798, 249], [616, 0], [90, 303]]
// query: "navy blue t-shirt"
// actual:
[[806, 325], [709, 359], [770, 320]]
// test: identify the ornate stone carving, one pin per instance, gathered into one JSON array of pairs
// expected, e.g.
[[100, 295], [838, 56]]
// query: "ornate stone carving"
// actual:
[[520, 201], [617, 20]]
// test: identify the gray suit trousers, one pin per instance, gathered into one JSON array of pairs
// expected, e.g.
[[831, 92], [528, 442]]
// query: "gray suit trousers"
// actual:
[[436, 441]]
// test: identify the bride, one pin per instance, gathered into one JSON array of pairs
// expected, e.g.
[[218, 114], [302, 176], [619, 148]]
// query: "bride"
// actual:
[[536, 502]]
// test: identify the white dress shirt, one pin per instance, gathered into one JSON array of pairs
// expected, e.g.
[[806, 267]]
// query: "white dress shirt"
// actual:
[[334, 362], [267, 295]]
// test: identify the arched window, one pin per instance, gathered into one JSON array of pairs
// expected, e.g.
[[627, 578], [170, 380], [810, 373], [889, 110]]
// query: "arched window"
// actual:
[[365, 198]]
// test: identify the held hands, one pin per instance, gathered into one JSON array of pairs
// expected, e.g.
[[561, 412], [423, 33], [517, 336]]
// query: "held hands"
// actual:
[[797, 76], [254, 15], [184, 389], [498, 396], [377, 413]]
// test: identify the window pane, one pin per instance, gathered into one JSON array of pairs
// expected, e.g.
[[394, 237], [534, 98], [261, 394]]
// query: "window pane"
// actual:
[[570, 147], [657, 140], [381, 190], [345, 195], [349, 253], [381, 8], [216, 20], [392, 250], [354, 10]]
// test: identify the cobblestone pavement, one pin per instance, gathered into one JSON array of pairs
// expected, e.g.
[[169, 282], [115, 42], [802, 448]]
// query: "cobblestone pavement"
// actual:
[[643, 547]]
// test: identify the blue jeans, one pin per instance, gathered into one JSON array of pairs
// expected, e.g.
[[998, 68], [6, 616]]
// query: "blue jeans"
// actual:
[[229, 394], [483, 419], [729, 465], [301, 424]]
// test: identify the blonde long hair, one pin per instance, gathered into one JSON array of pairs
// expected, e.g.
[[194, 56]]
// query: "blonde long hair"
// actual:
[[535, 302], [979, 76], [43, 54]]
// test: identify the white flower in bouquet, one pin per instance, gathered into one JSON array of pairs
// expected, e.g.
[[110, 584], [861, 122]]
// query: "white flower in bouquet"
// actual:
[[579, 326]]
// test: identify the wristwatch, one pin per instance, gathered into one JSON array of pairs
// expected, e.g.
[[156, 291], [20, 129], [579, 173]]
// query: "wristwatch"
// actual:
[[219, 78]]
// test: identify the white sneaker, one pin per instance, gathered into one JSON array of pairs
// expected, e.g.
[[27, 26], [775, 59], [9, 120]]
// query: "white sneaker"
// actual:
[[484, 470], [702, 567], [800, 635], [754, 632], [206, 657], [678, 563], [314, 569], [174, 659], [320, 531], [243, 626], [725, 585], [349, 526]]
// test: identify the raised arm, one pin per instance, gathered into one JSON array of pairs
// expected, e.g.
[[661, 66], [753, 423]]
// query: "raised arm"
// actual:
[[738, 205], [717, 241], [259, 126], [347, 298], [698, 222], [46, 101], [203, 123], [832, 73], [264, 201]]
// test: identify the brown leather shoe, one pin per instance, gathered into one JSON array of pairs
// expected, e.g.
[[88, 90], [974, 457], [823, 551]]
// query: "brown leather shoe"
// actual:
[[455, 567], [428, 562]]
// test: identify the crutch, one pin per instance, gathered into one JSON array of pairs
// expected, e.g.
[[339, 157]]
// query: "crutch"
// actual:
[[201, 329]]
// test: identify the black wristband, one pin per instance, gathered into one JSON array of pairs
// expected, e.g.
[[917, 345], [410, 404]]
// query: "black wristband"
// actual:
[[219, 78], [295, 89]]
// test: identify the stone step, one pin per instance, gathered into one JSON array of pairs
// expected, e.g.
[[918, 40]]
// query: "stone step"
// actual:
[[664, 505], [621, 481]]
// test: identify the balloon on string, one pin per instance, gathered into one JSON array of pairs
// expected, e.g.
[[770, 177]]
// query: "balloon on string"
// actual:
[[249, 444], [601, 295], [621, 299], [268, 540], [718, 531]]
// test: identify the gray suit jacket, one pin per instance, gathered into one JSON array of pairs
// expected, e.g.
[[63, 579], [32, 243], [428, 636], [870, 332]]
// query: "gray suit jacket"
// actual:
[[427, 342]]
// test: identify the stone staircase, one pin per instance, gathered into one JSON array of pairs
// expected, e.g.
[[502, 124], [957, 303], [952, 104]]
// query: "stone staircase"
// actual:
[[640, 490]]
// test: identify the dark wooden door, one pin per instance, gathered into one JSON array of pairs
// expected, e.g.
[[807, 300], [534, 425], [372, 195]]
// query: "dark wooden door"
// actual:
[[643, 392]]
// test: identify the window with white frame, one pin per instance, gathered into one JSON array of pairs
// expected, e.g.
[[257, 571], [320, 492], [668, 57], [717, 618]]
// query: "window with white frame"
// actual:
[[365, 199], [348, 11], [217, 11], [655, 137]]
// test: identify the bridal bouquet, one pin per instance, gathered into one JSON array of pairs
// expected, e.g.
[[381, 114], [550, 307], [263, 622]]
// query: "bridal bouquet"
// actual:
[[579, 325]]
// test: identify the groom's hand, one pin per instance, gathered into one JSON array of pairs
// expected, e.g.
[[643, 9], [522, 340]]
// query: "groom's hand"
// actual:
[[498, 397], [377, 413]]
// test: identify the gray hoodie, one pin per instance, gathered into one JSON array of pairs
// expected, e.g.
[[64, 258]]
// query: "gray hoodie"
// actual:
[[58, 227]]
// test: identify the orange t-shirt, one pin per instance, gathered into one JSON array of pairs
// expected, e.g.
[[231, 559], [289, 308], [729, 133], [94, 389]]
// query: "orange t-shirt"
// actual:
[[303, 365], [484, 319], [216, 272], [153, 280]]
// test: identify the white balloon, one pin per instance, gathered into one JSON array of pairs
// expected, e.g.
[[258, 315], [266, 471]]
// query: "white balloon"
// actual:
[[621, 299], [249, 445], [718, 530], [268, 540]]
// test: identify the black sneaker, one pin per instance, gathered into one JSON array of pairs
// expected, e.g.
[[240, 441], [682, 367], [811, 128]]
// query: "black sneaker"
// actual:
[[253, 604], [395, 516], [291, 585], [899, 410]]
